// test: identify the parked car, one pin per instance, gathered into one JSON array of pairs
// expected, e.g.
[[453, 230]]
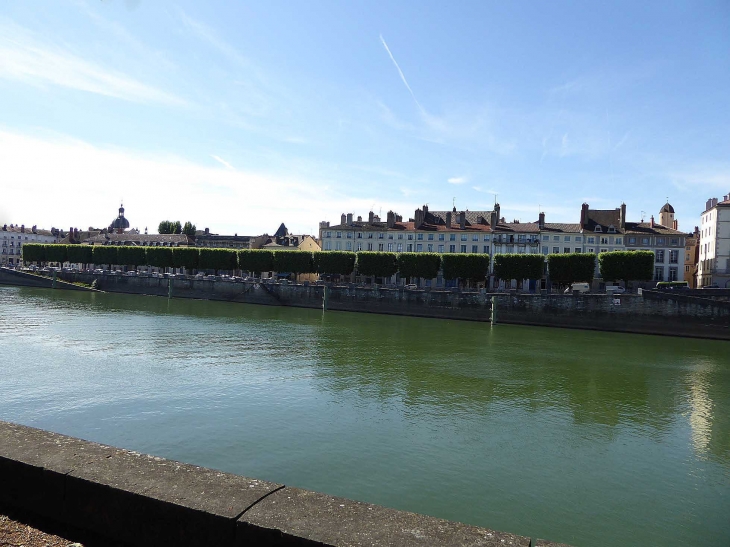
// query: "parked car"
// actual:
[[579, 287], [672, 285], [615, 289]]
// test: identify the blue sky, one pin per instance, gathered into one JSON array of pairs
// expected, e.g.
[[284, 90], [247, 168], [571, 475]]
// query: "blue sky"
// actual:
[[242, 115]]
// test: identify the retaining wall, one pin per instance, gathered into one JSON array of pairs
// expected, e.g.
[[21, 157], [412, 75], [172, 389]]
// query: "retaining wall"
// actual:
[[144, 500], [24, 279]]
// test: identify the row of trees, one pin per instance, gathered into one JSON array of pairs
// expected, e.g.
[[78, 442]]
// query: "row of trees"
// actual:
[[563, 268], [174, 227]]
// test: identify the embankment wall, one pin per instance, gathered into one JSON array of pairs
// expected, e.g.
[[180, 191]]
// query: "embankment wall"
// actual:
[[143, 500]]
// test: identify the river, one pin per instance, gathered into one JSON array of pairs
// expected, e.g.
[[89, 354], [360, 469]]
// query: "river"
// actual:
[[588, 438]]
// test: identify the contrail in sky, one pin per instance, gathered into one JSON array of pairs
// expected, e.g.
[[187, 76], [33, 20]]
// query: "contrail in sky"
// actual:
[[402, 76], [221, 160]]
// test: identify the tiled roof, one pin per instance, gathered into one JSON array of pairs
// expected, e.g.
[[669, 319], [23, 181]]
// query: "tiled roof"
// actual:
[[561, 227], [518, 227], [603, 218], [139, 239], [472, 217], [16, 230], [646, 228]]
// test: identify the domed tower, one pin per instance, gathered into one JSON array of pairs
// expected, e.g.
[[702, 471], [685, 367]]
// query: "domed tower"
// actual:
[[666, 216], [120, 223]]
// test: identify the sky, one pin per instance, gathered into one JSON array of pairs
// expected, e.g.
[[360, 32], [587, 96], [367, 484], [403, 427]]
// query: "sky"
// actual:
[[238, 116]]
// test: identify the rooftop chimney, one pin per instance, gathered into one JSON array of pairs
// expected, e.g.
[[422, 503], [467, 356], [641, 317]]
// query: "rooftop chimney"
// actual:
[[22, 228], [349, 219], [418, 218], [583, 215], [207, 231], [448, 219], [359, 218], [541, 221], [34, 229], [343, 218], [370, 217], [462, 220], [496, 210], [623, 216], [391, 219], [652, 221]]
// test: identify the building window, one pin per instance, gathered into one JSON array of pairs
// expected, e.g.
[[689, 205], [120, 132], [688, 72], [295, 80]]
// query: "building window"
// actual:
[[452, 237], [566, 250], [578, 250], [430, 237], [619, 240], [604, 250], [370, 235], [410, 247], [632, 241], [591, 250], [475, 237], [441, 248], [381, 236], [452, 248], [686, 269], [441, 237], [566, 238], [399, 248], [419, 237], [463, 237], [400, 236], [545, 250], [328, 234], [598, 229], [591, 240], [410, 237], [370, 246], [577, 239], [510, 249], [349, 245], [429, 247], [380, 246], [673, 257], [556, 238], [611, 229], [546, 238], [475, 248], [486, 249], [660, 241], [604, 241], [338, 235], [556, 250], [659, 257], [672, 274], [390, 236], [327, 245], [675, 241], [338, 246], [349, 235], [390, 247], [359, 235], [659, 273], [463, 248]]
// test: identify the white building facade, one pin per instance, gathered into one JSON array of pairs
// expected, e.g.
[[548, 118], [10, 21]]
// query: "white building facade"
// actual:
[[714, 261], [13, 237]]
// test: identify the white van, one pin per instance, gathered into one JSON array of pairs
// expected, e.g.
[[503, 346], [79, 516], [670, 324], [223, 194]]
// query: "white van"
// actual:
[[580, 287]]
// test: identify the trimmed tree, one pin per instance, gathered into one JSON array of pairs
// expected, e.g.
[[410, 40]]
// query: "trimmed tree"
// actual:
[[334, 262], [471, 267], [424, 265], [129, 255], [185, 257], [626, 266], [295, 262], [80, 254], [56, 253], [566, 269], [256, 261], [34, 252], [104, 254], [189, 229], [519, 266], [159, 257], [218, 259], [376, 264]]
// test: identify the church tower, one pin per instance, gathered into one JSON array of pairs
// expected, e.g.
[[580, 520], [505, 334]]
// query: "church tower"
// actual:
[[666, 216]]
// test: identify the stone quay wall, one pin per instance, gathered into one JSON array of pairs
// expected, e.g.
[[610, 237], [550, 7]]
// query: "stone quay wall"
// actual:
[[23, 279], [144, 500], [700, 313]]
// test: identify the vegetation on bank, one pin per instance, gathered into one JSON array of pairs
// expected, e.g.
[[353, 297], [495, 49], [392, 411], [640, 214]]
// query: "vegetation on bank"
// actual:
[[627, 266]]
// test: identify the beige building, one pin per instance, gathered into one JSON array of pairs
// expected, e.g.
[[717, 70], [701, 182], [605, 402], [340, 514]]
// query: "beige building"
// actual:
[[714, 248]]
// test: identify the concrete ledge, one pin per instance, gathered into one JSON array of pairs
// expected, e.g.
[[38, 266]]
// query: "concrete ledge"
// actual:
[[144, 500], [299, 517]]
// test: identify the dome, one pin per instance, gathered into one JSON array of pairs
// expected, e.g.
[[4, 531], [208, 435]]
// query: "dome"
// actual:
[[667, 209], [120, 223]]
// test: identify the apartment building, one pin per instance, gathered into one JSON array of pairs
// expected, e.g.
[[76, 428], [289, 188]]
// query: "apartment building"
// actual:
[[714, 248], [13, 237]]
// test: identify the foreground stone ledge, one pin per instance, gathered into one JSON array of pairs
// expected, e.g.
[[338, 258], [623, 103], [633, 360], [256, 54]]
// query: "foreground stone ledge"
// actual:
[[138, 499], [299, 517]]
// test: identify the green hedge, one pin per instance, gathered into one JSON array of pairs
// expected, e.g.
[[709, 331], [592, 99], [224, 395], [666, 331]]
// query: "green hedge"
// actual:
[[334, 262], [376, 264], [473, 267], [56, 253], [185, 257], [80, 254], [570, 268], [34, 252], [424, 265], [256, 261], [293, 261], [519, 266], [626, 265], [129, 255], [104, 254], [159, 257], [218, 259]]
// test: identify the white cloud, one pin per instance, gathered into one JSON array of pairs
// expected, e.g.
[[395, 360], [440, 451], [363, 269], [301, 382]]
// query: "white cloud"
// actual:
[[457, 180], [25, 58], [77, 184]]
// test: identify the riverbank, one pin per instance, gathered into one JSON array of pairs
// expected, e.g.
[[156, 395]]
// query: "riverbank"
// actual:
[[693, 314], [145, 500]]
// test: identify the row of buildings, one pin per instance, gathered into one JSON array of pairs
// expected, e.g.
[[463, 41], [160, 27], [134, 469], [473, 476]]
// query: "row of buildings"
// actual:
[[701, 257], [599, 230]]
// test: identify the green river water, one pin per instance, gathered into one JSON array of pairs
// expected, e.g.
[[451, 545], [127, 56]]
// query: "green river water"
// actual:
[[587, 438]]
